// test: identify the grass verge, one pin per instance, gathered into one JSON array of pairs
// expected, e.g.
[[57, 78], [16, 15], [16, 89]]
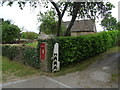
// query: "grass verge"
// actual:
[[12, 70]]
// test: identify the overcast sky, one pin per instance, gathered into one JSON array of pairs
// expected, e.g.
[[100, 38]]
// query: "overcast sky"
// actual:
[[27, 17]]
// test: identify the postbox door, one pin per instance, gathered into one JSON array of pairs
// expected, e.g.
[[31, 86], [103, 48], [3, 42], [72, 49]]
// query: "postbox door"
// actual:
[[42, 51]]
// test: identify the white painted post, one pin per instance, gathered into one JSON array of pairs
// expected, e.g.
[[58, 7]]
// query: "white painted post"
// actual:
[[56, 63]]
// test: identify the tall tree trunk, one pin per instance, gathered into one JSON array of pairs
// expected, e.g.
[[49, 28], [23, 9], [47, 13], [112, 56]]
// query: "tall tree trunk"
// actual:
[[59, 25], [60, 15], [76, 8]]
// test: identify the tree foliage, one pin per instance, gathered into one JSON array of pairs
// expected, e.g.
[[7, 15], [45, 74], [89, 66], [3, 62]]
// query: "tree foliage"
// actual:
[[109, 23], [10, 32], [29, 35], [91, 10], [49, 23], [118, 26]]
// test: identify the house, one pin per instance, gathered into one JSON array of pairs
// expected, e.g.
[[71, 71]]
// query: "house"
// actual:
[[82, 27], [44, 36]]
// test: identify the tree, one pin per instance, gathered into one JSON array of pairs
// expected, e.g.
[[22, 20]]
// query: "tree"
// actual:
[[80, 9], [109, 23], [118, 26], [10, 32], [90, 10], [29, 35], [49, 23]]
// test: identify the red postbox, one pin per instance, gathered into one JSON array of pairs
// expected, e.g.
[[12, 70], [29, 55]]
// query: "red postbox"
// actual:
[[42, 51]]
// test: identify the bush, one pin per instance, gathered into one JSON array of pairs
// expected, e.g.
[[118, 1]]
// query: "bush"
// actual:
[[10, 32], [29, 35], [26, 55], [74, 49]]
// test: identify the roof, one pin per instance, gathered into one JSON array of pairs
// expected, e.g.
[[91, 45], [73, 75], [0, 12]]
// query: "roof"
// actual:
[[82, 26], [44, 36]]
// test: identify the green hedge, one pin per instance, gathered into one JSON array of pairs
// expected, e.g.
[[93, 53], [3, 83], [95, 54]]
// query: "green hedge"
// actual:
[[25, 55], [74, 49]]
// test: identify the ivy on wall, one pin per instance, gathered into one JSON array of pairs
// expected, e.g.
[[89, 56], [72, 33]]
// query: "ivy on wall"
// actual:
[[25, 55]]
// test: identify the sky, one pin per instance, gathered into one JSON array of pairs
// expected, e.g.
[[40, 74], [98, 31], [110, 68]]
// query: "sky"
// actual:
[[27, 17]]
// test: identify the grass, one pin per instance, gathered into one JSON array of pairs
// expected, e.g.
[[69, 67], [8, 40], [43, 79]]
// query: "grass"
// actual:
[[12, 70], [84, 64], [114, 77], [34, 44]]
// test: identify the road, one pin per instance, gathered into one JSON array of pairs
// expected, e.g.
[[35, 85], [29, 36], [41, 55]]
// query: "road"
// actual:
[[96, 75]]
